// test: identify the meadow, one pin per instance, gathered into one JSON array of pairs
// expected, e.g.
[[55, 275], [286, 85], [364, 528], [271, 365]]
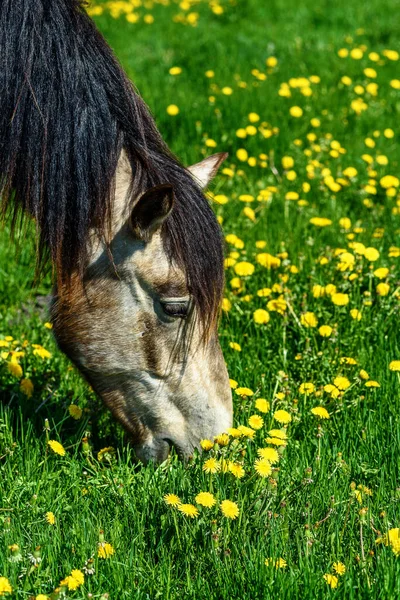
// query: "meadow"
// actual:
[[301, 498]]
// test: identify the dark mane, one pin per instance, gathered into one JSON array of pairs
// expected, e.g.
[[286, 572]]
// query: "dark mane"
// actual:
[[67, 110]]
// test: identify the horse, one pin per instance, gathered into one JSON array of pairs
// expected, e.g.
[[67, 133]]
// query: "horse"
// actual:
[[135, 248]]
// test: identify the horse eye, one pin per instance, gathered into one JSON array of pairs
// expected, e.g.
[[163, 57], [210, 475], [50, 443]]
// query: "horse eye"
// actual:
[[176, 309]]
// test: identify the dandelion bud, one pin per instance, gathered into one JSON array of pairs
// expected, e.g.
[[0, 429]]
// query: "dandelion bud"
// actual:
[[85, 446], [16, 555]]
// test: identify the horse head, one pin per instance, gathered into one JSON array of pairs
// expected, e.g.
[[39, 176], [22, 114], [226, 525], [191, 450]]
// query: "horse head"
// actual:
[[133, 328]]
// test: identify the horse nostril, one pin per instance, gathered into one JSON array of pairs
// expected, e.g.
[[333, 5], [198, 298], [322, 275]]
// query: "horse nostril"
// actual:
[[172, 444], [168, 441]]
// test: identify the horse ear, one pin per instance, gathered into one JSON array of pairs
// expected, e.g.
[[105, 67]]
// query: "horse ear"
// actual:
[[151, 210], [205, 170]]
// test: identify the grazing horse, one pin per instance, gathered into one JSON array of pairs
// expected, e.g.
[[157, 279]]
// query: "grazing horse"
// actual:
[[135, 247]]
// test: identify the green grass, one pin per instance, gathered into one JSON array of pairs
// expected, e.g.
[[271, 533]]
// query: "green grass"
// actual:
[[309, 513]]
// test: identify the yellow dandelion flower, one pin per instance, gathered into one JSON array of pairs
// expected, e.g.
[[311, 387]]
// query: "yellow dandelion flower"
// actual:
[[236, 469], [396, 547], [391, 54], [269, 454], [56, 447], [261, 316], [244, 269], [271, 61], [73, 581], [279, 563], [282, 416], [320, 411], [342, 383], [309, 319], [389, 181], [267, 260], [382, 289], [175, 71], [394, 365], [235, 346], [234, 432], [381, 273], [332, 390], [172, 110], [372, 384], [278, 305], [264, 292], [75, 411], [320, 221], [205, 499], [296, 111], [371, 254], [348, 360], [307, 388], [41, 597], [287, 162], [339, 568], [355, 314], [229, 509], [5, 586], [206, 444], [262, 405], [340, 299], [275, 441], [256, 422], [246, 198], [172, 500], [222, 439], [278, 433], [242, 154], [318, 291], [226, 305], [15, 369], [41, 352], [246, 431], [78, 576], [330, 289], [331, 580], [211, 466], [26, 387], [105, 550], [356, 53], [263, 467], [244, 391], [325, 330], [391, 536], [350, 172], [106, 454], [50, 518]]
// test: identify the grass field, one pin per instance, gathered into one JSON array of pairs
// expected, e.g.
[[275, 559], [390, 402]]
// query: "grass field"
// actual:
[[305, 97]]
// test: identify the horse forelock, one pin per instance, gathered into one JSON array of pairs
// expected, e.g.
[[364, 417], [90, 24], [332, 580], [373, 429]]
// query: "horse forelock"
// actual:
[[68, 110]]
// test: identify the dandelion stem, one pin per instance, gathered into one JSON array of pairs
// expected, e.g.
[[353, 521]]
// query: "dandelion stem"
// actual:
[[177, 530]]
